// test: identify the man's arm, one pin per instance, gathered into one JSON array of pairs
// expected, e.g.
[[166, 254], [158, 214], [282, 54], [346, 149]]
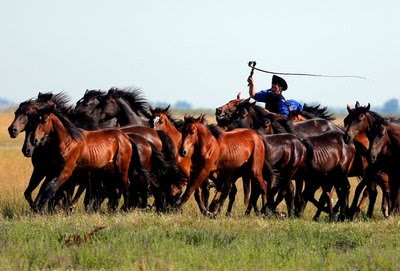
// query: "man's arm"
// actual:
[[252, 90]]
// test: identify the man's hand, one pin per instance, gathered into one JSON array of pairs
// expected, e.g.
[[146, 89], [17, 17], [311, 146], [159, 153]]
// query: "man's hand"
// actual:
[[250, 80]]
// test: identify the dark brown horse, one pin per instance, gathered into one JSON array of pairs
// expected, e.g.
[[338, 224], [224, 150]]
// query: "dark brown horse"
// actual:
[[232, 154], [31, 107], [223, 114], [385, 156], [84, 114], [127, 106], [84, 150], [362, 121], [330, 160]]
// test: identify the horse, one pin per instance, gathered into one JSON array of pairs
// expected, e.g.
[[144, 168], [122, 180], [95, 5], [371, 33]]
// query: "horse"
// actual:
[[361, 120], [30, 108], [108, 149], [126, 105], [163, 121], [84, 114], [232, 154], [224, 112], [329, 162], [384, 154]]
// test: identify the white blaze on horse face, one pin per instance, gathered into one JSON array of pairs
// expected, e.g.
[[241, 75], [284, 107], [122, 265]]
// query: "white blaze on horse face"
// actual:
[[156, 120]]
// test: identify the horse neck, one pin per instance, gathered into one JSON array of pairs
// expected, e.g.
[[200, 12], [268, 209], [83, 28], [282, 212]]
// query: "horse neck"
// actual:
[[127, 115], [205, 138], [393, 133], [60, 131], [174, 133]]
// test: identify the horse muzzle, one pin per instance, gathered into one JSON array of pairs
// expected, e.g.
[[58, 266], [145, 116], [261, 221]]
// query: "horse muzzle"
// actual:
[[12, 132]]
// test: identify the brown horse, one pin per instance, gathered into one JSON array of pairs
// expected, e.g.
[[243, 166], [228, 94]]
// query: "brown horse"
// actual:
[[107, 149], [362, 121], [162, 120], [384, 154], [232, 154]]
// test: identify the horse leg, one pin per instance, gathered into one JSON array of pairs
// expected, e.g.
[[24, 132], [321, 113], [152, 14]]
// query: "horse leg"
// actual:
[[254, 194], [221, 194], [232, 195], [372, 199], [383, 182], [355, 207], [198, 196], [205, 195], [193, 184], [34, 181], [298, 198], [289, 198], [246, 189]]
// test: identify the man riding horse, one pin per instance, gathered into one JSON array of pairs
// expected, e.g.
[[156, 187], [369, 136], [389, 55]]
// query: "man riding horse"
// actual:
[[273, 98]]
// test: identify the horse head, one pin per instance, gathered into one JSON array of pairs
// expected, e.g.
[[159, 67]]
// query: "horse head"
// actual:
[[190, 133], [356, 122]]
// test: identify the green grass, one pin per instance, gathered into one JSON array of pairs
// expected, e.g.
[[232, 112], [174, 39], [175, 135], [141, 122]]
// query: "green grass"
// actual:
[[147, 241]]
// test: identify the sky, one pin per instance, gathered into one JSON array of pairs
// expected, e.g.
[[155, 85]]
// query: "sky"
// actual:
[[197, 51]]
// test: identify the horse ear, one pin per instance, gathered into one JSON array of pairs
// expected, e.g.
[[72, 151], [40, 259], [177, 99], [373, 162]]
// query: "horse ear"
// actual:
[[348, 109], [238, 96], [86, 91], [368, 107], [167, 108], [357, 104], [186, 117]]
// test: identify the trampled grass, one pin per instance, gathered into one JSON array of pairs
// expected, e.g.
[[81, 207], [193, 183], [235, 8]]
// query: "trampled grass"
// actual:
[[140, 240]]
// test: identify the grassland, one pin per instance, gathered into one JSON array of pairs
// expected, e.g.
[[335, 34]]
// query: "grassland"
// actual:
[[187, 241]]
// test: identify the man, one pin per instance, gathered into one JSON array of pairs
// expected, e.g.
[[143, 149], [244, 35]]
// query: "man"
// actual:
[[273, 98]]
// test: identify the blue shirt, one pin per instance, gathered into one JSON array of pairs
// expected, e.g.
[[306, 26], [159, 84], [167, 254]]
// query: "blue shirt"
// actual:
[[280, 104]]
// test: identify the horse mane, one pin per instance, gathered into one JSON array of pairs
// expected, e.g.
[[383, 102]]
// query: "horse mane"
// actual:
[[379, 119], [60, 100], [317, 111], [75, 132], [135, 99], [215, 130], [92, 93]]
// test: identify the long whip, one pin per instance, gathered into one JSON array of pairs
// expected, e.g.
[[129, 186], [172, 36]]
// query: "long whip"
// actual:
[[252, 66]]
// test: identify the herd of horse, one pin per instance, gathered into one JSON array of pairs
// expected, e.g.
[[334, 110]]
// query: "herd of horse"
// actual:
[[113, 144]]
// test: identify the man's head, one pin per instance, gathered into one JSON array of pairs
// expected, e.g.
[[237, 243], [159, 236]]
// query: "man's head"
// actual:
[[278, 85]]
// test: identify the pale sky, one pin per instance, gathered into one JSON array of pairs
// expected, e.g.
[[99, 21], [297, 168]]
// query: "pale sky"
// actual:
[[197, 51]]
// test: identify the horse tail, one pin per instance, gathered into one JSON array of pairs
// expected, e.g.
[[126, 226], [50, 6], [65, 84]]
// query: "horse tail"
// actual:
[[310, 151], [269, 173], [320, 112], [167, 146], [159, 167], [136, 164], [174, 174]]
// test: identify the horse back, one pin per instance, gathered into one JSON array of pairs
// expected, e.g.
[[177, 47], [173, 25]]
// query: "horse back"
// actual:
[[329, 151], [285, 150], [239, 146]]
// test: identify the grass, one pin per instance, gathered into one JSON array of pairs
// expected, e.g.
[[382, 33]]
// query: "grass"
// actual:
[[187, 241]]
